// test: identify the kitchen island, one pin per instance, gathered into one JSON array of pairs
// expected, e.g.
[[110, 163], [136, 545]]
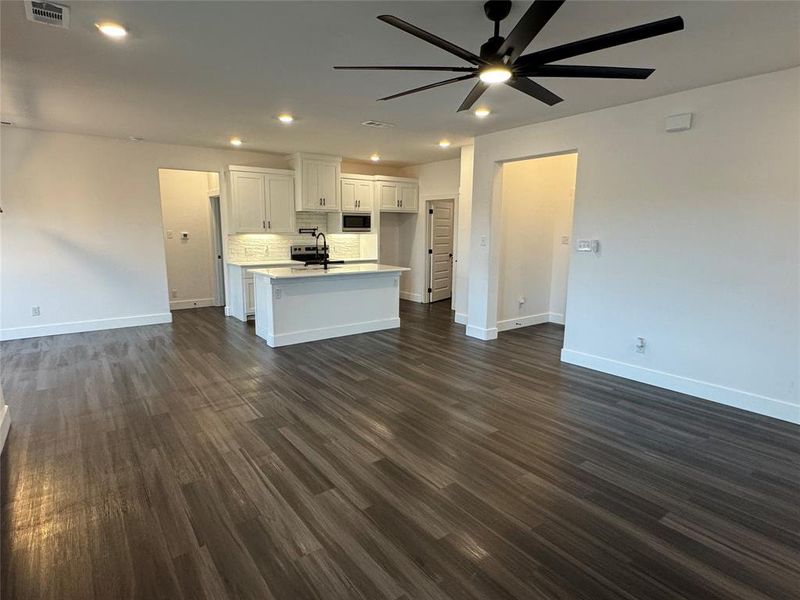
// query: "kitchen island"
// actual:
[[302, 304]]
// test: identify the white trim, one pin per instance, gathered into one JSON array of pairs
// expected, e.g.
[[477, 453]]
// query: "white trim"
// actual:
[[17, 333], [358, 176], [228, 311], [557, 318], [196, 303], [266, 170], [771, 407], [411, 296], [525, 321], [461, 318], [324, 333], [5, 425], [482, 333]]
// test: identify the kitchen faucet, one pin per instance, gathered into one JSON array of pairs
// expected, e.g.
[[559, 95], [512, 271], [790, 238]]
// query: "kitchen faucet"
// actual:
[[324, 261]]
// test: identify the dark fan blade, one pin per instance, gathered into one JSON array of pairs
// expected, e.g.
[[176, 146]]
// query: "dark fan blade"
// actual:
[[432, 39], [384, 68], [532, 88], [528, 27], [588, 71], [600, 42], [430, 86], [473, 95]]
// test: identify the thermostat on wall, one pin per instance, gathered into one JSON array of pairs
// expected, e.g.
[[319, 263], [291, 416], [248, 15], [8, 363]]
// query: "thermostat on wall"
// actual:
[[588, 245]]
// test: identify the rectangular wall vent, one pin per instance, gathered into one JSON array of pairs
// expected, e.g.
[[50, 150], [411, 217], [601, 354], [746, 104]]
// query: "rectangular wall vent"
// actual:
[[378, 124], [47, 13]]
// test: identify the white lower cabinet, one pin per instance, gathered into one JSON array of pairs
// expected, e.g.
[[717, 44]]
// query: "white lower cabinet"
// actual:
[[249, 294]]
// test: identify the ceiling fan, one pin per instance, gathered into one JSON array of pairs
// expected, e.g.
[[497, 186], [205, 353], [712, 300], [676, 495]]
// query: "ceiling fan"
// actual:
[[501, 60]]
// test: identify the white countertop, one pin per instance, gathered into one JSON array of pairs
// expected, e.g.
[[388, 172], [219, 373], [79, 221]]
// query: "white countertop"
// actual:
[[264, 263], [333, 271], [289, 262]]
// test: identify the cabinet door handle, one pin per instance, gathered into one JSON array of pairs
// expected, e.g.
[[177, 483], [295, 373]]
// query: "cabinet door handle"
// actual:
[[263, 225], [269, 224]]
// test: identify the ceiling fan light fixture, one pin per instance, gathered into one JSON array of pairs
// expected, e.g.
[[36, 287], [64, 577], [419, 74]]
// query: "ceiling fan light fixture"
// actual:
[[482, 112], [286, 118], [495, 75]]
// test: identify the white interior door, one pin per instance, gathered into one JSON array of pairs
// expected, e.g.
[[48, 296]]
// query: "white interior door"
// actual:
[[440, 231]]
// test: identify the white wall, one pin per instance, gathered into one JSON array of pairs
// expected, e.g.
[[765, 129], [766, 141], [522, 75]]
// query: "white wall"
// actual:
[[190, 265], [536, 212], [437, 180], [463, 228], [82, 236], [699, 236]]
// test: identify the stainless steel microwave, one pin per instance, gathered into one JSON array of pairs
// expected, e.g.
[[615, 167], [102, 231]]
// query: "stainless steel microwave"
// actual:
[[352, 222]]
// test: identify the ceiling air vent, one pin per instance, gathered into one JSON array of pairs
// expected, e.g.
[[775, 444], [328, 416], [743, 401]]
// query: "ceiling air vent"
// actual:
[[47, 13], [377, 124]]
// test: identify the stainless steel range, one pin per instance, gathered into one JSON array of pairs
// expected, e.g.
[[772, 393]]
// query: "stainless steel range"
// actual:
[[309, 253]]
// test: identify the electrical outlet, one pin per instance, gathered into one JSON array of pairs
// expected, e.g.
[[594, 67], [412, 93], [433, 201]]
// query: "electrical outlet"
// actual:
[[277, 293], [521, 300], [174, 294], [641, 345], [35, 312], [565, 239], [169, 234]]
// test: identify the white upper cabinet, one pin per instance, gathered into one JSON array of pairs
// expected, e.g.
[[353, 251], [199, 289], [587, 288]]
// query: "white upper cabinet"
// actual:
[[280, 196], [356, 194], [317, 180], [262, 200], [247, 194], [397, 194]]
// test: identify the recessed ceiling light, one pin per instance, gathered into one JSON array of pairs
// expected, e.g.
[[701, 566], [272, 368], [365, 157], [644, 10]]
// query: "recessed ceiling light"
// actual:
[[375, 157], [286, 118], [133, 138], [482, 113], [236, 141], [111, 29], [444, 144], [495, 75]]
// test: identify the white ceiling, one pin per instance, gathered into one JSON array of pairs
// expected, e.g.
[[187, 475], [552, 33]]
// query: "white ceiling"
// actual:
[[199, 72]]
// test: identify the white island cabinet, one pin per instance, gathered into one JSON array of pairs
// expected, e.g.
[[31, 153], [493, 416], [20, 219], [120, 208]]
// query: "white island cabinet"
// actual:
[[302, 304], [241, 287]]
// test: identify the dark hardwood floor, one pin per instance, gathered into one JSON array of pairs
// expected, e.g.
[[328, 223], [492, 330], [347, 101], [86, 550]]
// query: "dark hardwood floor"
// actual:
[[192, 461]]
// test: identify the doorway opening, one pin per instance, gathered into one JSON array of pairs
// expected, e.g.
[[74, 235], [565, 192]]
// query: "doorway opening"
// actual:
[[536, 219], [440, 215], [192, 223]]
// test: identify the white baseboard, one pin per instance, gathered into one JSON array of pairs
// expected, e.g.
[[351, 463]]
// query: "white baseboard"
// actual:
[[411, 296], [324, 333], [763, 405], [18, 333], [529, 320], [461, 318], [525, 321], [5, 425], [482, 333], [227, 311], [196, 303]]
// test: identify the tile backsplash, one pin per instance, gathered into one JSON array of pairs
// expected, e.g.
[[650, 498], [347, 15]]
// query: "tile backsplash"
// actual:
[[271, 246]]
